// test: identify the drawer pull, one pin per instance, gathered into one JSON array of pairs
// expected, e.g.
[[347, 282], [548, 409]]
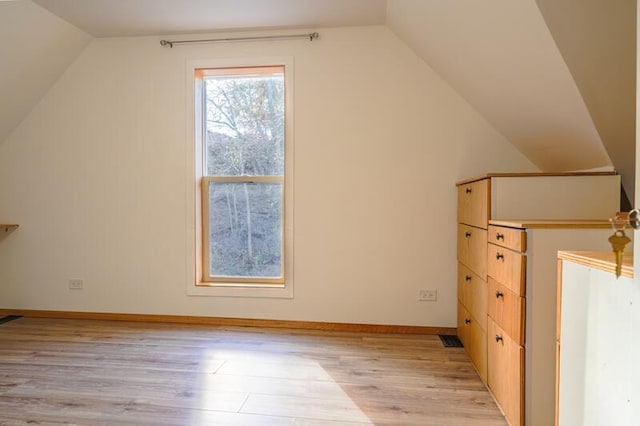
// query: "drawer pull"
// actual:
[[499, 256], [467, 321], [467, 191], [499, 294], [467, 234], [467, 277], [500, 236], [499, 338]]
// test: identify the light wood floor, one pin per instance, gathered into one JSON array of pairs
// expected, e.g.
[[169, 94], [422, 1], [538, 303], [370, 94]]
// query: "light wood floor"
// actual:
[[116, 373]]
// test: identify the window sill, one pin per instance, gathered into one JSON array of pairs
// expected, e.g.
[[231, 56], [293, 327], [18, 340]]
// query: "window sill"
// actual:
[[275, 291]]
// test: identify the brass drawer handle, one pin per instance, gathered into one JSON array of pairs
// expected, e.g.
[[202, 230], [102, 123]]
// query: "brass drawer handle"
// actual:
[[467, 277], [467, 321], [467, 191], [500, 236], [499, 338], [499, 256], [499, 294], [467, 234]]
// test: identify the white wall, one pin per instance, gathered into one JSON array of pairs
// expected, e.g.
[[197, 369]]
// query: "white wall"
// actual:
[[96, 178], [595, 348]]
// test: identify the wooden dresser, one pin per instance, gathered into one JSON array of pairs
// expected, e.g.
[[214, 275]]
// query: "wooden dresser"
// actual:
[[510, 227]]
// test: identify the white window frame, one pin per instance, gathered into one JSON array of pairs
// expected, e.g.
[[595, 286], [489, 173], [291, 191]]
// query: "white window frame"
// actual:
[[196, 286]]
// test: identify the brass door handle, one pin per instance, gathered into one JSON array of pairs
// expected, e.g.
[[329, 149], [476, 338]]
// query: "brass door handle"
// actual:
[[467, 191], [499, 294], [467, 321], [467, 277], [499, 338], [499, 236], [499, 256]]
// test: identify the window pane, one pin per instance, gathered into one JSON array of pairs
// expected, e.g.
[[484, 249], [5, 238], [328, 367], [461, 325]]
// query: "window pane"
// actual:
[[245, 231], [244, 125]]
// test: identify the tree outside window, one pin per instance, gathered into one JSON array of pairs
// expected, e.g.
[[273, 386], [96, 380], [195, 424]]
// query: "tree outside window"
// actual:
[[243, 184]]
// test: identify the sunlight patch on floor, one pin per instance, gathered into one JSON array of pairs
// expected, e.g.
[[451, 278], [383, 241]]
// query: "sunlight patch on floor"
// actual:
[[248, 387]]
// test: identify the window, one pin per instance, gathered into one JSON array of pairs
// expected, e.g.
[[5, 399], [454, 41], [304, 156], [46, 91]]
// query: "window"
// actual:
[[242, 148]]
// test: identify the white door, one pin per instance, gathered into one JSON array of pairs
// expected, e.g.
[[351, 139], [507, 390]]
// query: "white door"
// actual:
[[635, 298]]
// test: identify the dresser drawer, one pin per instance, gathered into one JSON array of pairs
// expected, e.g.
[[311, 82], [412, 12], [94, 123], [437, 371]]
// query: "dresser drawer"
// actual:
[[464, 325], [472, 249], [505, 373], [507, 267], [474, 340], [472, 293], [513, 238], [507, 309], [473, 203], [478, 350]]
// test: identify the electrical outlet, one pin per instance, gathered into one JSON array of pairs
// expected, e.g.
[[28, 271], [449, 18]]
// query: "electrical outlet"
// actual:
[[76, 284], [428, 294]]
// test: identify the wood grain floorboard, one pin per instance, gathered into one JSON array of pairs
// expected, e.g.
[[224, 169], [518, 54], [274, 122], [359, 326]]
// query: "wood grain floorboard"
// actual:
[[87, 372]]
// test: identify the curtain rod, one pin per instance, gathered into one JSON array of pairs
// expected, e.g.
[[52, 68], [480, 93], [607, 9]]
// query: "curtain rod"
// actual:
[[310, 36]]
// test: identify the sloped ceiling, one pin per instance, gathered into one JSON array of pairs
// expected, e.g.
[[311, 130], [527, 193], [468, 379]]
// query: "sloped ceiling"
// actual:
[[37, 47], [501, 56], [597, 39]]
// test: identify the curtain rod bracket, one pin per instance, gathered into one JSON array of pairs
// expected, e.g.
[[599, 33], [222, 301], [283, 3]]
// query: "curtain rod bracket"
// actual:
[[166, 43]]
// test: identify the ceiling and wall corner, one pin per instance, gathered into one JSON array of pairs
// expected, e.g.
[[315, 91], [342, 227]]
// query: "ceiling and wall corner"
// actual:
[[37, 47]]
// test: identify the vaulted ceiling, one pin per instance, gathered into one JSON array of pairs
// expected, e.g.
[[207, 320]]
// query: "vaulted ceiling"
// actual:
[[597, 39], [37, 47], [555, 77]]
